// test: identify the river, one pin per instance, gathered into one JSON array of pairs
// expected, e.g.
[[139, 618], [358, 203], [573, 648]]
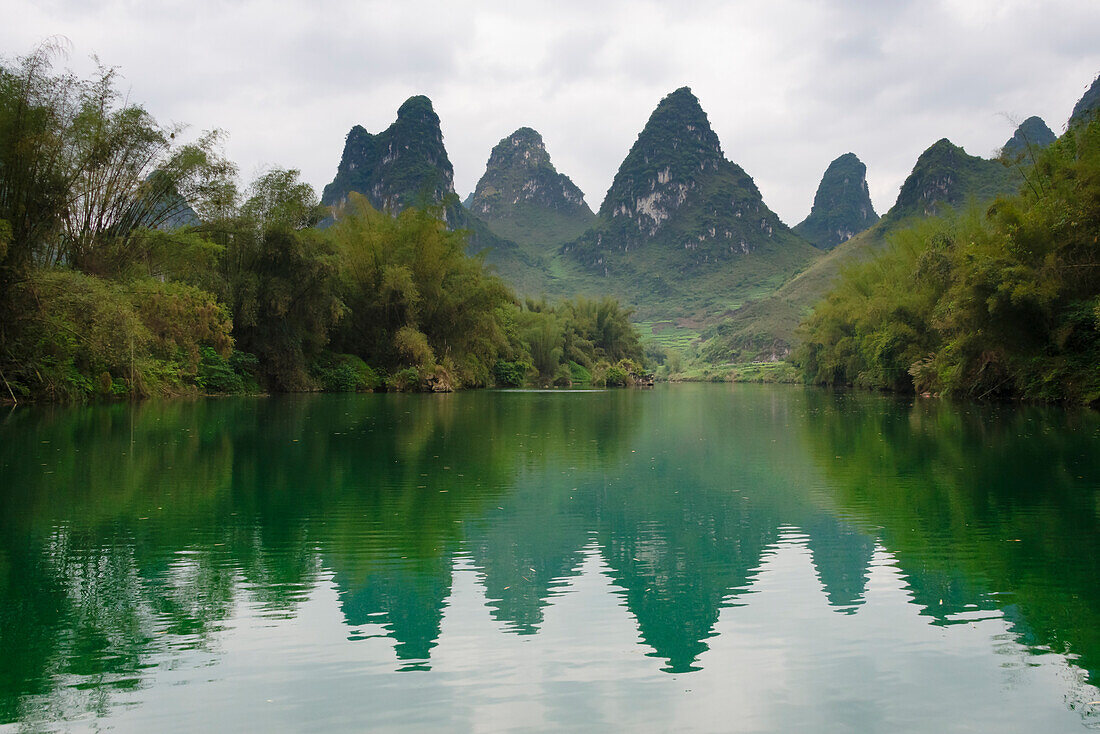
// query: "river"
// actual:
[[691, 558]]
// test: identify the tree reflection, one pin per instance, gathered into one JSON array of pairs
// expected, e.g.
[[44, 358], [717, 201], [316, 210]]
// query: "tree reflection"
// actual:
[[128, 533], [985, 507]]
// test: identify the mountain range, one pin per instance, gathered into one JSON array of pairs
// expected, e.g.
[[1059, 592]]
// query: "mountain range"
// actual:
[[682, 232], [683, 235]]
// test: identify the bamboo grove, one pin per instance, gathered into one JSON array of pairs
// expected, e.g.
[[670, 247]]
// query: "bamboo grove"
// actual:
[[996, 302]]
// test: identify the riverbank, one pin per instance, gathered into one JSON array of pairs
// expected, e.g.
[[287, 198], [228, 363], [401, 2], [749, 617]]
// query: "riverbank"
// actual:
[[754, 372]]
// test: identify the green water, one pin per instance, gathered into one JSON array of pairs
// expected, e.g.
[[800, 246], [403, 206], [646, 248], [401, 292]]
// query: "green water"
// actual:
[[697, 557]]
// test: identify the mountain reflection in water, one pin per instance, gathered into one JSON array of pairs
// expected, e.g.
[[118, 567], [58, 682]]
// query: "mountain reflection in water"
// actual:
[[140, 539]]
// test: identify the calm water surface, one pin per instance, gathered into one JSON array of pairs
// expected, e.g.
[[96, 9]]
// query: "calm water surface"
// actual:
[[698, 557]]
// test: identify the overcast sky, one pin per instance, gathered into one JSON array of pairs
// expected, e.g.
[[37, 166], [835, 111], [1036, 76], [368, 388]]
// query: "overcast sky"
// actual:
[[788, 84]]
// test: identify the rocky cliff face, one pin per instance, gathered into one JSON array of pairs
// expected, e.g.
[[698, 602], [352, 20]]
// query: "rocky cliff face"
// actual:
[[945, 174], [406, 164], [842, 206], [677, 195], [1032, 134], [520, 172], [523, 197]]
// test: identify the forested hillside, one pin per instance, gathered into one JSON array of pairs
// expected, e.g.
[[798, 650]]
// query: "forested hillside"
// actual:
[[944, 176], [134, 265], [989, 301]]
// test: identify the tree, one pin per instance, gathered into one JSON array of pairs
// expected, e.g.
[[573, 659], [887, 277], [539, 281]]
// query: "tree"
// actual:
[[85, 176], [414, 296], [280, 277]]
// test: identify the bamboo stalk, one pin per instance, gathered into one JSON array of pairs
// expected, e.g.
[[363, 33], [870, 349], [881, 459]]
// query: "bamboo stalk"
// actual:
[[10, 391]]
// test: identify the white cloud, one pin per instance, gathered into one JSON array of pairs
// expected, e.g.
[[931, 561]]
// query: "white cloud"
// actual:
[[788, 85]]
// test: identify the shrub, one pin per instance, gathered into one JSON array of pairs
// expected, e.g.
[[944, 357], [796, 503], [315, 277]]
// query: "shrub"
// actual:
[[216, 374], [181, 318], [599, 374], [616, 376], [437, 379], [511, 374], [413, 346], [344, 373], [406, 380], [579, 373], [563, 377]]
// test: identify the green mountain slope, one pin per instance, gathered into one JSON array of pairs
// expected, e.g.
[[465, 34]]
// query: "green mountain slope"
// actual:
[[683, 231], [944, 175], [842, 205], [404, 165], [764, 330], [1088, 105]]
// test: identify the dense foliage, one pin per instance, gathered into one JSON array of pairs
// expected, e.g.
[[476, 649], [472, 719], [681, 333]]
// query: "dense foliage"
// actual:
[[1001, 302], [132, 264], [580, 341], [414, 298]]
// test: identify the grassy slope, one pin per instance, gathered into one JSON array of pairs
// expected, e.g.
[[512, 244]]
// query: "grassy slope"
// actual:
[[656, 285], [541, 231], [765, 329], [525, 251]]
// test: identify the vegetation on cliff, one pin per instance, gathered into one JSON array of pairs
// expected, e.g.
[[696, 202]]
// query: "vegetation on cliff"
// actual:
[[842, 205]]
